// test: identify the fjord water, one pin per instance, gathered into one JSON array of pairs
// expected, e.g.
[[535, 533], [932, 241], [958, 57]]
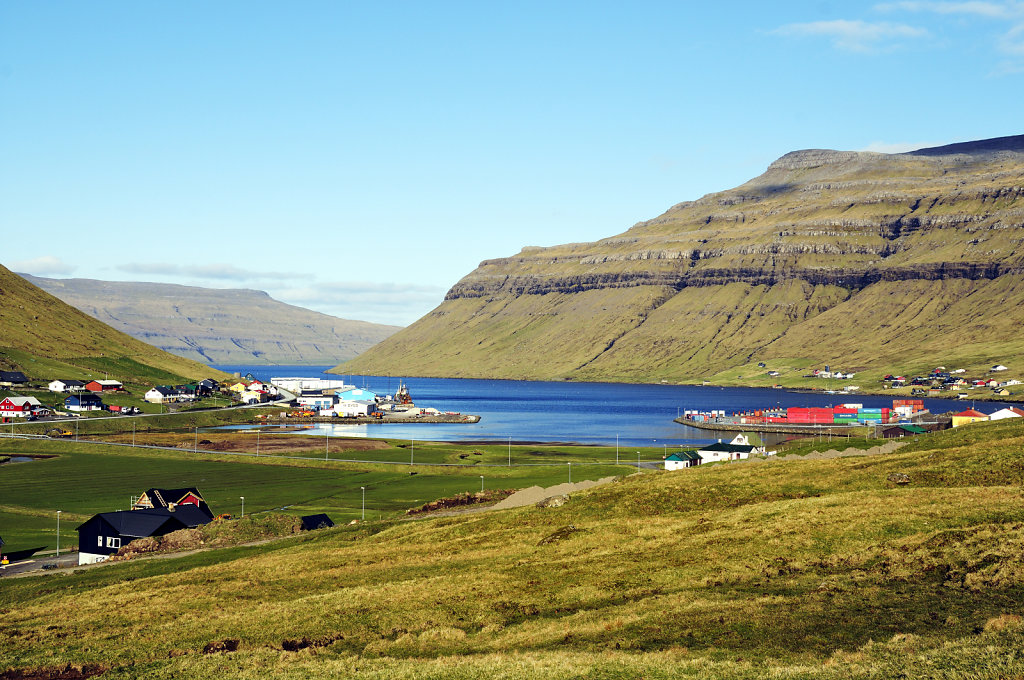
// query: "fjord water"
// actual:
[[586, 413]]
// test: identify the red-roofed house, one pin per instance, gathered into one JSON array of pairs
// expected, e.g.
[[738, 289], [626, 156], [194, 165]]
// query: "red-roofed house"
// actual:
[[967, 417]]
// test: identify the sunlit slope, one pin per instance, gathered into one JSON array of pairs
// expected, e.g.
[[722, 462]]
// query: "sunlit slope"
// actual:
[[46, 338], [853, 259], [809, 569]]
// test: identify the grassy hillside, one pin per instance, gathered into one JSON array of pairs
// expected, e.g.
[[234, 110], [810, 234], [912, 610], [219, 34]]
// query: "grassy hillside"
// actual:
[[870, 263], [218, 326], [790, 569], [47, 339]]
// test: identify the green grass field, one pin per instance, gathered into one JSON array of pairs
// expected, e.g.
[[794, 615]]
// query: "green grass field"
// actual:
[[84, 479], [789, 569]]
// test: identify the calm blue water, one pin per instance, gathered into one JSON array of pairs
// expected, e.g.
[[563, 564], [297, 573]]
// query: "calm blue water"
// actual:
[[588, 413]]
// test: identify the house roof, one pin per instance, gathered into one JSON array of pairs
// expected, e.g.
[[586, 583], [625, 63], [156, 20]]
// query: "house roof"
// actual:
[[721, 446], [71, 383], [12, 376], [685, 456], [970, 413], [148, 522], [321, 521], [162, 498], [913, 429]]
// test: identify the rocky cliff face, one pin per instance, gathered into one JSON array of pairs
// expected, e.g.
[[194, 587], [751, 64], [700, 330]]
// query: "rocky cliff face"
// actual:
[[218, 326], [816, 231]]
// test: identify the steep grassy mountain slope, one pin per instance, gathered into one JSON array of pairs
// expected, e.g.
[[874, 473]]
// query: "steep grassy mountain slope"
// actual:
[[787, 569], [218, 326], [47, 339], [864, 261]]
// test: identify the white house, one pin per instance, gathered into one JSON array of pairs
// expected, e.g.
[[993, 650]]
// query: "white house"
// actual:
[[66, 386], [719, 452], [1009, 412], [998, 367], [752, 439]]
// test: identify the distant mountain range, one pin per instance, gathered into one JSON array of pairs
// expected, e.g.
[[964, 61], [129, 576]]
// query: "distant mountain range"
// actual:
[[218, 326], [46, 338], [863, 261]]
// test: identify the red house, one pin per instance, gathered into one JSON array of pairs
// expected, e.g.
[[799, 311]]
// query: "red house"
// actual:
[[18, 407], [104, 386]]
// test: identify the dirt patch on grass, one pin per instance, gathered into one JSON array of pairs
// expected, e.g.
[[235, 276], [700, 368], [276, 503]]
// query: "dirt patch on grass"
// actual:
[[68, 672], [245, 442]]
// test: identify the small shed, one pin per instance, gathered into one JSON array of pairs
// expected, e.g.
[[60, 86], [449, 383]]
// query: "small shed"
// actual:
[[321, 521], [683, 459]]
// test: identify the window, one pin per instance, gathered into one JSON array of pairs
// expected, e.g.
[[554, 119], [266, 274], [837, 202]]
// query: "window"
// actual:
[[99, 541], [113, 542]]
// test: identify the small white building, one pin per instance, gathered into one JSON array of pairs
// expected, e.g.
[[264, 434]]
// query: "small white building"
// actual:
[[316, 402], [355, 408], [1009, 412], [681, 460]]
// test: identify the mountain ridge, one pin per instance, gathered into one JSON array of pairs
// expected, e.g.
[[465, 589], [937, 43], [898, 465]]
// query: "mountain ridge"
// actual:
[[819, 230], [218, 325]]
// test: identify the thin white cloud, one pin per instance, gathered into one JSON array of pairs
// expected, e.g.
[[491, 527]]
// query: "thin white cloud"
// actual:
[[213, 272], [391, 303], [47, 265], [855, 35], [991, 10]]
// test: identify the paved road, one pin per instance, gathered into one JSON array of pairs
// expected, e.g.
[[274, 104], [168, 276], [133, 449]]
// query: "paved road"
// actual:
[[37, 563]]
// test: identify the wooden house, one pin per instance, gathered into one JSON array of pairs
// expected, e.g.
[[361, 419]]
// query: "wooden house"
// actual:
[[106, 533], [104, 386], [18, 407], [172, 498]]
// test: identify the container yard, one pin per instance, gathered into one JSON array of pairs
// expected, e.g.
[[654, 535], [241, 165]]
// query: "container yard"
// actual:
[[797, 419]]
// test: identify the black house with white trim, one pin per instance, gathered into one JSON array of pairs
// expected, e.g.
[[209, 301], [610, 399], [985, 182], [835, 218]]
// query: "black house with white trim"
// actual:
[[104, 534]]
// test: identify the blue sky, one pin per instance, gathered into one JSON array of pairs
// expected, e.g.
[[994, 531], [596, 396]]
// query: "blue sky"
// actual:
[[359, 158]]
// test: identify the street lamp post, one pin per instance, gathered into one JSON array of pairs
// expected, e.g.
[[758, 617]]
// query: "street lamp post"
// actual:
[[364, 501], [616, 449], [510, 451], [570, 473], [195, 448], [481, 483], [257, 443], [58, 533], [327, 447], [638, 461], [412, 450], [243, 506]]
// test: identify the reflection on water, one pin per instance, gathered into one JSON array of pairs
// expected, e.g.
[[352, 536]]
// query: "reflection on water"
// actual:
[[587, 413]]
